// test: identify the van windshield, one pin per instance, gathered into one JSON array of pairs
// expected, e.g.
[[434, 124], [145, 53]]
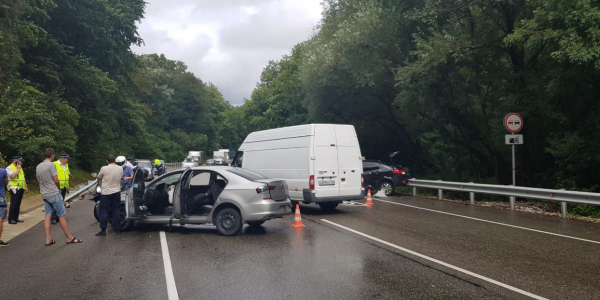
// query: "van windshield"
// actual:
[[252, 176]]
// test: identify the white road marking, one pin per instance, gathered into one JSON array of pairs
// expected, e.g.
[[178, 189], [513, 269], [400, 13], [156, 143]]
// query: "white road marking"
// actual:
[[171, 287], [506, 286], [492, 222]]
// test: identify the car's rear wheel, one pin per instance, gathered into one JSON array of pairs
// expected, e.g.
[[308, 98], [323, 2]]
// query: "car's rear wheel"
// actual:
[[387, 188], [228, 221], [328, 205], [255, 223]]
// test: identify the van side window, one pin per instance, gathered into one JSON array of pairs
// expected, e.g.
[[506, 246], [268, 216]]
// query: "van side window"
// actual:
[[238, 159]]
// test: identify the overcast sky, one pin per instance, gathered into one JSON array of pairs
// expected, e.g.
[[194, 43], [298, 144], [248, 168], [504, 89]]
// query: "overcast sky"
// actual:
[[227, 42]]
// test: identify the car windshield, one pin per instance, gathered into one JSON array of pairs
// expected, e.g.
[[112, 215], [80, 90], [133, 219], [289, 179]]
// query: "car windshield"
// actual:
[[144, 164], [252, 176]]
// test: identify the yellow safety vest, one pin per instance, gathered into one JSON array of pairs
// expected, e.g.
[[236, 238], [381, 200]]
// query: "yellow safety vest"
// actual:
[[19, 180], [156, 162], [63, 175]]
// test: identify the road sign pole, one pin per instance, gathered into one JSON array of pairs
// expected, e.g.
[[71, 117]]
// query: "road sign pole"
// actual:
[[514, 175]]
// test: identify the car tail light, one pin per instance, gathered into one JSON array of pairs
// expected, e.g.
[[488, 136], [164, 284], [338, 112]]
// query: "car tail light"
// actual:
[[311, 182], [398, 171], [362, 180], [265, 190]]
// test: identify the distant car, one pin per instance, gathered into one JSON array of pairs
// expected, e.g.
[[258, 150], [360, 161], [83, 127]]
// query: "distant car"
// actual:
[[146, 166], [384, 177], [210, 162], [225, 196], [188, 163]]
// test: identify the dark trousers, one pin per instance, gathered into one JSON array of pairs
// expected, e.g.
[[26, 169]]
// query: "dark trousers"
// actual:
[[110, 203], [15, 205], [63, 193]]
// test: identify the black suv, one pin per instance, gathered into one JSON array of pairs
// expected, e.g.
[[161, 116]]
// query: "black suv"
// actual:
[[384, 177]]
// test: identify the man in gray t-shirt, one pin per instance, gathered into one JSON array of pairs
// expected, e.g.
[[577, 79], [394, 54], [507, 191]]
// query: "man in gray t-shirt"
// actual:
[[45, 173], [47, 178]]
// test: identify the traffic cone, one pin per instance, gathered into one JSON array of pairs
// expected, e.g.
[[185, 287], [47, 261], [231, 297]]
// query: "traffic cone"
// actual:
[[297, 218], [369, 200]]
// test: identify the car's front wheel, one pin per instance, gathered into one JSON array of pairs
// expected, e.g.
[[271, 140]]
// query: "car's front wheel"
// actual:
[[387, 188], [228, 221]]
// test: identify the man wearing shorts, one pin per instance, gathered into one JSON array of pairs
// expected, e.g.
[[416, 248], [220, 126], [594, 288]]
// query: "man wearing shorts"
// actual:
[[47, 177], [3, 205]]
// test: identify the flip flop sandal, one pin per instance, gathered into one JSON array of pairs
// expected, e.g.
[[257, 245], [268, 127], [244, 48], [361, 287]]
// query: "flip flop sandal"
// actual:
[[74, 241], [51, 243]]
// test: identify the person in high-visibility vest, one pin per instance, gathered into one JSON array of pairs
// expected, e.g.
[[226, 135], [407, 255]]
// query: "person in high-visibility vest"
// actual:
[[17, 187], [62, 168], [158, 165]]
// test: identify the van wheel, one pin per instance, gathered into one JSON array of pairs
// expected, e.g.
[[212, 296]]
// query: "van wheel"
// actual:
[[328, 205], [387, 187], [255, 223], [228, 221]]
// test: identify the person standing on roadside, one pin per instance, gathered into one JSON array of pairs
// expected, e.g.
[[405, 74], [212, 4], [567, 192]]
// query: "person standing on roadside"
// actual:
[[47, 178], [17, 187], [110, 199], [3, 204], [64, 175]]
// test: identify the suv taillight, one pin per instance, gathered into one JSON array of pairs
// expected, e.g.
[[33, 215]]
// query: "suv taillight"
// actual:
[[398, 172], [362, 180], [311, 182]]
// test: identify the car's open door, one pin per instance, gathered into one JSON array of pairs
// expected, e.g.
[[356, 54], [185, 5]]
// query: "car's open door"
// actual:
[[135, 203], [181, 193]]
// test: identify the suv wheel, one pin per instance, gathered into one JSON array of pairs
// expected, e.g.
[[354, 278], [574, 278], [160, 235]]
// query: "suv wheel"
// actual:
[[228, 221], [387, 188]]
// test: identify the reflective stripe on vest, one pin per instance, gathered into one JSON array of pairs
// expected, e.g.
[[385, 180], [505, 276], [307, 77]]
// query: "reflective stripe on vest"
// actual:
[[19, 180], [63, 175]]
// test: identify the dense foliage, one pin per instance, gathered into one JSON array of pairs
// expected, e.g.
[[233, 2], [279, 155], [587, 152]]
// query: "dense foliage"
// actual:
[[69, 80], [431, 78], [434, 79]]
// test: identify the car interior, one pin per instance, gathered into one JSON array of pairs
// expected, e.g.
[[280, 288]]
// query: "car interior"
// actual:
[[203, 191], [200, 193]]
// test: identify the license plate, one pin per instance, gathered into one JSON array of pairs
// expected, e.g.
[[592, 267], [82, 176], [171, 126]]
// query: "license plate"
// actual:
[[327, 182]]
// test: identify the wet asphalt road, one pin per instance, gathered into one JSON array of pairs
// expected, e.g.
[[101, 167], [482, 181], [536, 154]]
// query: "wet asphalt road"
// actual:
[[320, 261]]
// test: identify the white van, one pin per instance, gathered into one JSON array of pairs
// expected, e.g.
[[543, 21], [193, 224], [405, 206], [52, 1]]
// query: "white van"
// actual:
[[321, 163]]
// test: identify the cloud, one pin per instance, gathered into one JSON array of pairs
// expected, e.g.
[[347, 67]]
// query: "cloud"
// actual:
[[227, 42]]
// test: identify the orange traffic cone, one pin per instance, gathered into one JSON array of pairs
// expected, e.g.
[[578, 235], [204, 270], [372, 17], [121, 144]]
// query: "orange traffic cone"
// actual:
[[297, 218], [369, 200]]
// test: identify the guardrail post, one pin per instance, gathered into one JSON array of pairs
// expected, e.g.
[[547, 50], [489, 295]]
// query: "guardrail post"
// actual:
[[414, 191], [472, 197], [563, 209], [512, 201], [440, 193]]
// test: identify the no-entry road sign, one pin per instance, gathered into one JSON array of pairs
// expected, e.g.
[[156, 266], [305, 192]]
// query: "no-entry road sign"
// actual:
[[513, 122]]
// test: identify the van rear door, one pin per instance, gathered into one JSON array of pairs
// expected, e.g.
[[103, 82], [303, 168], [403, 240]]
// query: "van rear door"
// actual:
[[326, 162], [349, 161]]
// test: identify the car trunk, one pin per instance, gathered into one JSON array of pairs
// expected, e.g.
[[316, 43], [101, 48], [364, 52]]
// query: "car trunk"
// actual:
[[278, 189]]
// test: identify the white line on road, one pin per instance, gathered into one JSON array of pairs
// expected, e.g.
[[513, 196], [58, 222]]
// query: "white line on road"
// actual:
[[492, 222], [171, 287], [506, 286]]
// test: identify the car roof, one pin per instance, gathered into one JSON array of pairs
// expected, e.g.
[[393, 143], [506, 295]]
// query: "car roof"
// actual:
[[212, 168]]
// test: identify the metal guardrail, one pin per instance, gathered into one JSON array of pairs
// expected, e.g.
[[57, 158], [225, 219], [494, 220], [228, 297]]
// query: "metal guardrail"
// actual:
[[174, 165], [82, 189], [562, 196]]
